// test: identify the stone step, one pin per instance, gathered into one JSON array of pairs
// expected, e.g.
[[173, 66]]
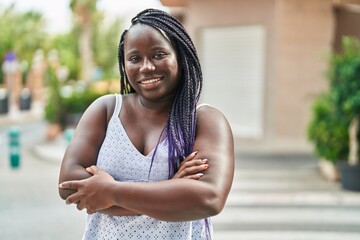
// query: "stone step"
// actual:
[[284, 235], [241, 216], [290, 185], [296, 198]]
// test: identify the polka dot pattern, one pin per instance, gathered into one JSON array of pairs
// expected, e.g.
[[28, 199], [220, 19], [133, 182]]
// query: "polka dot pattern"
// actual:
[[119, 157]]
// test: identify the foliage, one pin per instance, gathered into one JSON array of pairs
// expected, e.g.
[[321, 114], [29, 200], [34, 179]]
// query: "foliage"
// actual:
[[68, 52], [65, 100], [105, 46], [328, 130], [53, 109], [333, 111], [345, 77], [78, 101], [105, 37], [22, 33]]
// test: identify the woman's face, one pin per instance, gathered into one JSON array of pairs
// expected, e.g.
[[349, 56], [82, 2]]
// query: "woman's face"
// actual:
[[151, 63]]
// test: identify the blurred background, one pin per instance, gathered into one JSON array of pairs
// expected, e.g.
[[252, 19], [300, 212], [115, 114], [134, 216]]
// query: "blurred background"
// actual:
[[286, 73]]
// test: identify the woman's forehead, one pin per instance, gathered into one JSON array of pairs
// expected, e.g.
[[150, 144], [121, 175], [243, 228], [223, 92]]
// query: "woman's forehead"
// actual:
[[142, 30]]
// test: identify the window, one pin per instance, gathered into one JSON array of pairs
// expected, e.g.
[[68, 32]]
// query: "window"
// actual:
[[232, 59]]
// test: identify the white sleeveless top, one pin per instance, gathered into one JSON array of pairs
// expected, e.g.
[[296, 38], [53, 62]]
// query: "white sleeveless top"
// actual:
[[121, 159]]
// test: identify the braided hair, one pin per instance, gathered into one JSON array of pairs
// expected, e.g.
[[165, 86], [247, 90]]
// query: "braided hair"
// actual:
[[181, 124]]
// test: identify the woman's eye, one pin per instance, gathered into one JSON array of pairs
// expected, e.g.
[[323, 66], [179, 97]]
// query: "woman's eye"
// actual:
[[159, 55], [134, 59]]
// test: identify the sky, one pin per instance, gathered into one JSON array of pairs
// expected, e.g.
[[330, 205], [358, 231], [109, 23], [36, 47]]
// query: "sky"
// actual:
[[58, 15]]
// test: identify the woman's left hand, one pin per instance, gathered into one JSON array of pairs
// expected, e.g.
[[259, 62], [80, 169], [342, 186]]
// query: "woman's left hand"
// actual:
[[191, 167], [93, 193]]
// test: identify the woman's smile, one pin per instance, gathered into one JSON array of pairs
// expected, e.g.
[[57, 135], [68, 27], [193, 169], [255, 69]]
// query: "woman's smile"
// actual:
[[150, 83]]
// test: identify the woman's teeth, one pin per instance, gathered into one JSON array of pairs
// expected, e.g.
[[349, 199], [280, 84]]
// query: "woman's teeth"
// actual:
[[150, 81]]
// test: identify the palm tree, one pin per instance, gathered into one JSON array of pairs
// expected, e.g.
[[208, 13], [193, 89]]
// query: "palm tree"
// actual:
[[84, 12]]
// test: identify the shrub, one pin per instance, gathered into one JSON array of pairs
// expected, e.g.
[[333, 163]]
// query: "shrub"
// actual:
[[337, 110], [327, 130]]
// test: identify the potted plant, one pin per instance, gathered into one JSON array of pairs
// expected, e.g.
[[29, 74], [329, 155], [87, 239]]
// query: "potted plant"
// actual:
[[345, 87], [75, 102], [327, 130], [334, 126]]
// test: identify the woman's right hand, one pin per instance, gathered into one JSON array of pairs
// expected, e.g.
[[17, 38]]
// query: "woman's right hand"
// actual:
[[191, 167]]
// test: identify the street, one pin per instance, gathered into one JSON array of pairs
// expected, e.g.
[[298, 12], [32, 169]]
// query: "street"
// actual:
[[30, 207], [274, 197]]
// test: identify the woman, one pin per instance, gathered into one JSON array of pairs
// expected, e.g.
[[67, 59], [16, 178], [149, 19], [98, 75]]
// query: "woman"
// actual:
[[149, 164]]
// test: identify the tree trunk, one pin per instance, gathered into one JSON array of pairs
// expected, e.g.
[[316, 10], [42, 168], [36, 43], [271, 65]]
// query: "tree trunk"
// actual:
[[353, 141], [84, 10], [86, 52]]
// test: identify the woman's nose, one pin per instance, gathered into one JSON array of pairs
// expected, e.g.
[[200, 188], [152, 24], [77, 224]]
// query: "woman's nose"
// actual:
[[147, 65]]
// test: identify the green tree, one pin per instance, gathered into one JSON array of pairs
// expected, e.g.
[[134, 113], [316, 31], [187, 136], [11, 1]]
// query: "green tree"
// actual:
[[84, 15], [106, 39], [67, 46], [22, 33]]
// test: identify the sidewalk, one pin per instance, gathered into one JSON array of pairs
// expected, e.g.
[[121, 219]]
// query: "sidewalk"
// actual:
[[52, 151]]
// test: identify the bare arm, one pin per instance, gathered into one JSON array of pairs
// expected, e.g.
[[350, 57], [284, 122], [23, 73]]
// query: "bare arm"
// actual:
[[175, 199], [190, 168], [83, 150]]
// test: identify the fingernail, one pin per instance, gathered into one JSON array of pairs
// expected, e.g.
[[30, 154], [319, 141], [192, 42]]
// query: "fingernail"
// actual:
[[194, 153], [204, 160], [200, 174]]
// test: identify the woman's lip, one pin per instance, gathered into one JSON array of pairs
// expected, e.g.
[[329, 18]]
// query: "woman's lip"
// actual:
[[149, 81]]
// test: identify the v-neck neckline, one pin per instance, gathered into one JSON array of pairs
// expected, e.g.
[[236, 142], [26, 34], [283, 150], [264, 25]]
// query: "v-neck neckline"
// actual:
[[116, 116], [133, 146]]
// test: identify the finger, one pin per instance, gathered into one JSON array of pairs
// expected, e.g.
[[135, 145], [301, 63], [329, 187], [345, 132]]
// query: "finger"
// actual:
[[88, 211], [73, 198], [75, 185], [191, 163], [194, 166], [191, 156], [191, 171], [196, 176], [195, 169], [93, 169], [80, 206]]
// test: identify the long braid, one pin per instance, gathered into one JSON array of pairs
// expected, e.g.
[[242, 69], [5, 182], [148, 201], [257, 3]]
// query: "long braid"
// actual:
[[181, 125]]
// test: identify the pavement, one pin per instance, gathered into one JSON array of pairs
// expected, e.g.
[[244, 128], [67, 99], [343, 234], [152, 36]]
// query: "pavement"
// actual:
[[273, 197]]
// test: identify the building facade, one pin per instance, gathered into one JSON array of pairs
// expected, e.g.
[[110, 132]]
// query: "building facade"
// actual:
[[264, 62]]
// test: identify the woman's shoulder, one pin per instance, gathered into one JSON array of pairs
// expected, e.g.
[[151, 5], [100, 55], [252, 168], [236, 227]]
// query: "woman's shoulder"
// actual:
[[213, 129], [105, 103], [208, 110], [210, 115], [108, 101]]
